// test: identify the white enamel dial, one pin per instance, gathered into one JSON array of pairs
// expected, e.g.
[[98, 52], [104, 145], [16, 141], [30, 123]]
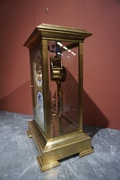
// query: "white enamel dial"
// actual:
[[40, 111], [38, 69]]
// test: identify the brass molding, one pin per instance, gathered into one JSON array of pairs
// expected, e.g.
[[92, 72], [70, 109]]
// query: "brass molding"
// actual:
[[44, 167], [55, 149]]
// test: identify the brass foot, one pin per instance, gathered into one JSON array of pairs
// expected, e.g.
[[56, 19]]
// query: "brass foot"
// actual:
[[29, 133], [47, 165], [83, 153]]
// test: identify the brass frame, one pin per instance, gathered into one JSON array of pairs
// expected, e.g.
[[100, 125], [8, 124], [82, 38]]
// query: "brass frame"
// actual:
[[50, 149]]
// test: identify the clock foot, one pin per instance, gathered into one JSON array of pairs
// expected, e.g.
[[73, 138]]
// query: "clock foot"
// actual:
[[29, 133], [88, 151], [46, 165]]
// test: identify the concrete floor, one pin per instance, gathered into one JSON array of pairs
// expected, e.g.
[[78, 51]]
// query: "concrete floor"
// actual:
[[18, 154]]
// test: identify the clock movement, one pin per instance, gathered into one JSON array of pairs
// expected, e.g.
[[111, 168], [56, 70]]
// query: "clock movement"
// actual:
[[56, 64]]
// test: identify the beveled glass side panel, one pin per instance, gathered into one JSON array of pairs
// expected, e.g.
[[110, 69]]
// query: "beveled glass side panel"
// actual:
[[63, 86], [37, 89]]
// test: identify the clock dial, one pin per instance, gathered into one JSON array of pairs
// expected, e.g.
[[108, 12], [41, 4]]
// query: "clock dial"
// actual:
[[38, 69], [40, 111]]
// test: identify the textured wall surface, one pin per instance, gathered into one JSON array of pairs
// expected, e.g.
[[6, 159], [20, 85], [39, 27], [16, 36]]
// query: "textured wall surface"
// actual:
[[101, 53]]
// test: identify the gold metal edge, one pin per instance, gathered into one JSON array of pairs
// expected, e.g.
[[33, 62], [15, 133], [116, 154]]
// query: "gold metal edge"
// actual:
[[37, 135], [48, 166], [53, 150], [62, 141], [51, 27], [57, 142], [55, 31], [88, 151]]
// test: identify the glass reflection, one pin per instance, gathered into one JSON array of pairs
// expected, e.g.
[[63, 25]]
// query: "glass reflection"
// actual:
[[63, 86]]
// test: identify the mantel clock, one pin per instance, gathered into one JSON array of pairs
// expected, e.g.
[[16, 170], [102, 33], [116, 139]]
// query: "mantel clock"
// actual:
[[56, 64]]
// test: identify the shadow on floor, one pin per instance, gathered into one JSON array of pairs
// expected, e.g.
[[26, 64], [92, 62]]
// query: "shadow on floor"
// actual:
[[93, 118]]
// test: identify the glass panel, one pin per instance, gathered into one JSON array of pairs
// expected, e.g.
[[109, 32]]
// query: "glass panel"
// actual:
[[63, 78]]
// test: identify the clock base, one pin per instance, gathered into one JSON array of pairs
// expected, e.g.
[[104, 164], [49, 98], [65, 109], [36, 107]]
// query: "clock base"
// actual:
[[46, 165], [52, 150]]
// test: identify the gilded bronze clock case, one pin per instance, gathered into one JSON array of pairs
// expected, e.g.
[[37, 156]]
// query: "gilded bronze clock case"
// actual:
[[52, 148]]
